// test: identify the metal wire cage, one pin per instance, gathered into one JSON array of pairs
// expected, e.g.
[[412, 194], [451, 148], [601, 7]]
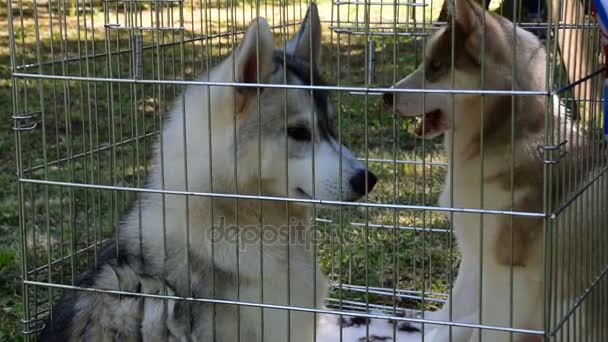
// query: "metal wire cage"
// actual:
[[93, 79]]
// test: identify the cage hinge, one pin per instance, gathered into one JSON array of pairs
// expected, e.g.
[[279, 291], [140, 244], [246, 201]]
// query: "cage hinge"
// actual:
[[552, 154], [32, 326], [25, 122]]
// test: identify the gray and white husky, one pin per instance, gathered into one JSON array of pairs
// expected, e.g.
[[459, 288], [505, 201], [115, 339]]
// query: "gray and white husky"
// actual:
[[492, 144], [245, 140]]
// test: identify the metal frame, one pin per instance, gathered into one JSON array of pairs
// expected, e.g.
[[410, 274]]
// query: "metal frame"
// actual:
[[67, 94]]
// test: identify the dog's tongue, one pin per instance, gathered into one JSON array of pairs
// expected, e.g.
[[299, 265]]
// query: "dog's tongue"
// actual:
[[430, 123]]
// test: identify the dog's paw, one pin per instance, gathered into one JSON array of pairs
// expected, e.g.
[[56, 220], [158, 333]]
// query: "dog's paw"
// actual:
[[350, 321], [409, 327]]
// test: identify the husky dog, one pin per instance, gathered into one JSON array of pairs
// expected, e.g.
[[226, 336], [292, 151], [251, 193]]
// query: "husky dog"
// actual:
[[249, 141], [492, 144]]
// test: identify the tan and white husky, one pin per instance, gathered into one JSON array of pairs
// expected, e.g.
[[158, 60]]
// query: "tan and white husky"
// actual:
[[492, 144], [249, 141]]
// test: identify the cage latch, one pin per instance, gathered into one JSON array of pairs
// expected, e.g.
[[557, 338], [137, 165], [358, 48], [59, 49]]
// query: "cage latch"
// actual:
[[25, 121], [552, 154]]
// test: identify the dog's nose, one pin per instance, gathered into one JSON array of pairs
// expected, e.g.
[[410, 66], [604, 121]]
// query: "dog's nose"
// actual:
[[358, 182], [388, 99]]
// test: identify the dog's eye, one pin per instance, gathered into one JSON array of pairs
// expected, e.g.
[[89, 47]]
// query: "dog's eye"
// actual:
[[299, 133], [435, 65]]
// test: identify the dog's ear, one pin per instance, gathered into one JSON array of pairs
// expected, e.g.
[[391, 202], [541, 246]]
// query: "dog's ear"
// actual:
[[465, 13], [253, 60], [474, 23], [306, 44]]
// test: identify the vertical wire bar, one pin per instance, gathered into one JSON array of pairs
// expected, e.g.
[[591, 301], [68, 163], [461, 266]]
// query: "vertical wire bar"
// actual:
[[451, 174], [366, 70], [284, 21], [314, 161], [411, 19], [98, 235], [599, 202], [340, 141], [130, 20], [423, 148], [259, 166], [66, 104], [423, 277], [547, 223], [125, 197], [28, 143], [185, 145], [592, 237], [157, 38], [207, 53], [80, 94], [575, 183], [44, 156], [565, 224], [18, 165], [550, 288], [395, 135], [236, 183], [57, 143], [564, 264], [482, 167], [595, 165], [512, 169]]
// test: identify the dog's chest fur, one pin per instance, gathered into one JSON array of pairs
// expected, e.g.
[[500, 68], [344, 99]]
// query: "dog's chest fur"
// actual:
[[234, 266], [471, 183]]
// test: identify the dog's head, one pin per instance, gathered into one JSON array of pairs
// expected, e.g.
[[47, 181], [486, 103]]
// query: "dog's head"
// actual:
[[475, 50], [283, 140]]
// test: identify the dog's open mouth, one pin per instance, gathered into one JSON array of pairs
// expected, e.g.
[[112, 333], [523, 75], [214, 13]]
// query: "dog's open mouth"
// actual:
[[432, 123]]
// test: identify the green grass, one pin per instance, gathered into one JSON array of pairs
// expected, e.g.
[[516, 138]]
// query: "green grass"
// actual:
[[81, 117]]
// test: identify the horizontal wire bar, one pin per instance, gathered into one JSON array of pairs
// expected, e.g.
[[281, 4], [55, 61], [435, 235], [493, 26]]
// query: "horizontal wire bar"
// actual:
[[399, 161], [360, 307], [152, 1], [154, 133], [436, 25], [147, 47], [283, 86], [45, 267], [405, 25], [410, 228], [286, 308], [410, 294], [389, 226], [365, 32], [288, 199], [379, 3], [116, 26], [91, 152]]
